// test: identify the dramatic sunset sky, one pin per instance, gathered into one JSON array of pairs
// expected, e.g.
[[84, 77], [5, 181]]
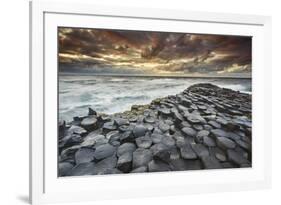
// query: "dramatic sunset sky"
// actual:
[[153, 53]]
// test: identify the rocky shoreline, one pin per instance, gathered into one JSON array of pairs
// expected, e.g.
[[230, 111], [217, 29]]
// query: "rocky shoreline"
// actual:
[[204, 127]]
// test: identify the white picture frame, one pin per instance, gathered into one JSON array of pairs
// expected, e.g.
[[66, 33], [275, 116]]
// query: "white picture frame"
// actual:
[[46, 187]]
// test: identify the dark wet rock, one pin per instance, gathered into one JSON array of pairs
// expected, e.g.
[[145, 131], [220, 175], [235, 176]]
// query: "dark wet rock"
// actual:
[[200, 150], [248, 132], [187, 131], [174, 154], [169, 122], [202, 107], [108, 126], [202, 127], [156, 138], [77, 119], [93, 139], [149, 127], [195, 118], [141, 157], [115, 143], [109, 171], [234, 112], [236, 157], [226, 165], [104, 151], [114, 139], [243, 144], [106, 166], [158, 166], [183, 164], [139, 131], [133, 119], [222, 121], [61, 125], [165, 112], [76, 130], [243, 152], [210, 162], [82, 169], [187, 152], [64, 168], [163, 127], [158, 148], [184, 124], [218, 133], [200, 135], [203, 86], [68, 153], [70, 140], [214, 124], [182, 108], [144, 142], [124, 162], [168, 141], [90, 123], [162, 154], [149, 119], [104, 118], [246, 139], [209, 142], [172, 130], [231, 126], [112, 134], [178, 117], [124, 128], [126, 148], [84, 155], [156, 130], [127, 137], [197, 127], [247, 165], [218, 153], [91, 111], [233, 136], [207, 127], [193, 107], [180, 141], [140, 169], [120, 121], [225, 143], [186, 102]]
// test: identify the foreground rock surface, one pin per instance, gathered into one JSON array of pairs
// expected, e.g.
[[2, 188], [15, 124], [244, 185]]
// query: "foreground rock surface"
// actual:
[[204, 127]]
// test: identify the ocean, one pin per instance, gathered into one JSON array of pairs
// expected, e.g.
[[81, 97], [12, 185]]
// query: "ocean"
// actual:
[[111, 94]]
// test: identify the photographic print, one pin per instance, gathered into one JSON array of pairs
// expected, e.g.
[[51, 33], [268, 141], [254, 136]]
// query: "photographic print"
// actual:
[[147, 101]]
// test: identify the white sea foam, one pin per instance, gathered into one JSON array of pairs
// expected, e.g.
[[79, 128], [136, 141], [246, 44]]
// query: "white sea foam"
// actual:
[[109, 95]]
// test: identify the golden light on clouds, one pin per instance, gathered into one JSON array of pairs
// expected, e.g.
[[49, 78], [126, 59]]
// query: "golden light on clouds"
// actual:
[[133, 52]]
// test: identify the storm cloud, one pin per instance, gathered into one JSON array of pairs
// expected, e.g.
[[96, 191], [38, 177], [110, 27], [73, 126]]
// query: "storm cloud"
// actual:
[[156, 53]]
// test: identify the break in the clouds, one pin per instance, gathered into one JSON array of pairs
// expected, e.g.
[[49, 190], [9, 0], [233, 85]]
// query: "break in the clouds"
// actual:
[[153, 53]]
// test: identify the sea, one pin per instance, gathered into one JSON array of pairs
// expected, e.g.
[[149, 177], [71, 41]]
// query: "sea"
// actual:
[[113, 94]]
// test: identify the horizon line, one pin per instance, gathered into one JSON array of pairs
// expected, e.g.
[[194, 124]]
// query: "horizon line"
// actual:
[[158, 76]]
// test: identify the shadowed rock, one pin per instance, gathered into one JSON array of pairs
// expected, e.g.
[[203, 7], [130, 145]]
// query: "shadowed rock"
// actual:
[[124, 162], [141, 157], [203, 127], [210, 162], [144, 142], [158, 166], [126, 148], [104, 151], [90, 123], [225, 143], [84, 155], [139, 131]]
